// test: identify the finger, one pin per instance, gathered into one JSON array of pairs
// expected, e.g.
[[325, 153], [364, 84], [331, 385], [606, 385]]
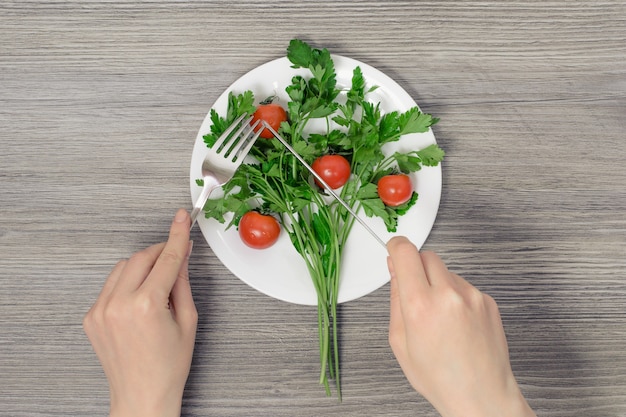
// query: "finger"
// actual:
[[409, 274], [112, 280], [407, 265], [396, 321], [460, 282], [436, 270], [170, 262], [137, 268], [104, 296], [181, 297]]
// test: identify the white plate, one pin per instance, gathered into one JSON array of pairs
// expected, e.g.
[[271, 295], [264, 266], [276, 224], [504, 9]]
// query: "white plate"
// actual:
[[279, 271]]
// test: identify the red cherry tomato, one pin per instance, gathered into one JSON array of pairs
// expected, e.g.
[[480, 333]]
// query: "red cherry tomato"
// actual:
[[395, 189], [259, 231], [271, 113], [334, 169]]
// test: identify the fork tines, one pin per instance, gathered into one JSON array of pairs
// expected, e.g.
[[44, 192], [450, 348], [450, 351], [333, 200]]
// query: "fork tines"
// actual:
[[239, 142]]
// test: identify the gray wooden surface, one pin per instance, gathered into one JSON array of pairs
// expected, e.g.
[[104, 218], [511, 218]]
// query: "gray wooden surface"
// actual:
[[100, 102]]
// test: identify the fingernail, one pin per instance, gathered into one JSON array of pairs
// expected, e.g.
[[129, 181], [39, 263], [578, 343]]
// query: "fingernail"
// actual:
[[392, 273], [189, 249], [181, 216]]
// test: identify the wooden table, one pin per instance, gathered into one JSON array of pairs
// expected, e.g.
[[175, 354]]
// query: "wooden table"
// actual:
[[100, 103]]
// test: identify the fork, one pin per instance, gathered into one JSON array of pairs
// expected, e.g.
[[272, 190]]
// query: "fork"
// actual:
[[224, 157]]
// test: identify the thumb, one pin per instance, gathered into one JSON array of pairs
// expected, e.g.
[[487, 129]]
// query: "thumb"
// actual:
[[170, 262], [396, 321], [181, 297]]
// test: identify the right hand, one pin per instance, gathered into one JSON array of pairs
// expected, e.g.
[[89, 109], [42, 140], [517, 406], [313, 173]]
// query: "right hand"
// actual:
[[448, 338]]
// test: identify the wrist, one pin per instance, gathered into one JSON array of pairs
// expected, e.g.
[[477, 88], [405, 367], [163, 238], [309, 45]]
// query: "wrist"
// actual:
[[143, 412], [510, 403], [152, 408]]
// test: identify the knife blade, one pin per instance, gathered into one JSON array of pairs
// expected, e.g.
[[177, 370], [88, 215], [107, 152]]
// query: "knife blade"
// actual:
[[324, 184]]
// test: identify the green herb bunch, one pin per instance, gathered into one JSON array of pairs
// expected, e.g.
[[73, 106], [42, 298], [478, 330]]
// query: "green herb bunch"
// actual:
[[277, 183]]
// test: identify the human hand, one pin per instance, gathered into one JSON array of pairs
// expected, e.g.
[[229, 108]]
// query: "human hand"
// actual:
[[448, 338], [143, 327]]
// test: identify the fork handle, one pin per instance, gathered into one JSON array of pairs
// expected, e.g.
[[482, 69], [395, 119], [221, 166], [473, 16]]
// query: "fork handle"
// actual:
[[210, 184]]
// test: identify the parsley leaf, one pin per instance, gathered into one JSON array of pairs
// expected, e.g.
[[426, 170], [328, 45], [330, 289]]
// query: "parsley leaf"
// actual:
[[431, 155], [238, 104]]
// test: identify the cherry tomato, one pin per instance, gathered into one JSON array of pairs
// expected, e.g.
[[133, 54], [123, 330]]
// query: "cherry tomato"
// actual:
[[395, 189], [334, 169], [259, 231], [273, 114]]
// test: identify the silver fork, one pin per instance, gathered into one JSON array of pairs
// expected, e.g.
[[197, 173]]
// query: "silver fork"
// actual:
[[224, 157]]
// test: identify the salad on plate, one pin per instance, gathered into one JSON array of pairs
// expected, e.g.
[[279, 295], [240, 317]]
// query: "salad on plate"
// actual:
[[369, 152]]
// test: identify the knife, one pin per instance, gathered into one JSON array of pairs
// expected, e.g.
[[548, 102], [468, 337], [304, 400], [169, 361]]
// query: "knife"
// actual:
[[324, 184]]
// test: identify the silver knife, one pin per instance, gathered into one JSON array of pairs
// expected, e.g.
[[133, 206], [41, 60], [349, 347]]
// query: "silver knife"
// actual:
[[326, 186]]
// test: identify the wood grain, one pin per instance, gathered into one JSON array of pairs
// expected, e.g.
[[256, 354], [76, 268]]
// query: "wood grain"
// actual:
[[100, 103]]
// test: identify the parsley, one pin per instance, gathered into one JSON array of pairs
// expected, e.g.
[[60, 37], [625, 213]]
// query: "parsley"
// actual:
[[281, 185]]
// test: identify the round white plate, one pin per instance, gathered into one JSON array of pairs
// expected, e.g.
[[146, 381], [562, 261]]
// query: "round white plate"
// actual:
[[279, 271]]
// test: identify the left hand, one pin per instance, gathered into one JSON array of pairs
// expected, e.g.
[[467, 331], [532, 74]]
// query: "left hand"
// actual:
[[143, 327]]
